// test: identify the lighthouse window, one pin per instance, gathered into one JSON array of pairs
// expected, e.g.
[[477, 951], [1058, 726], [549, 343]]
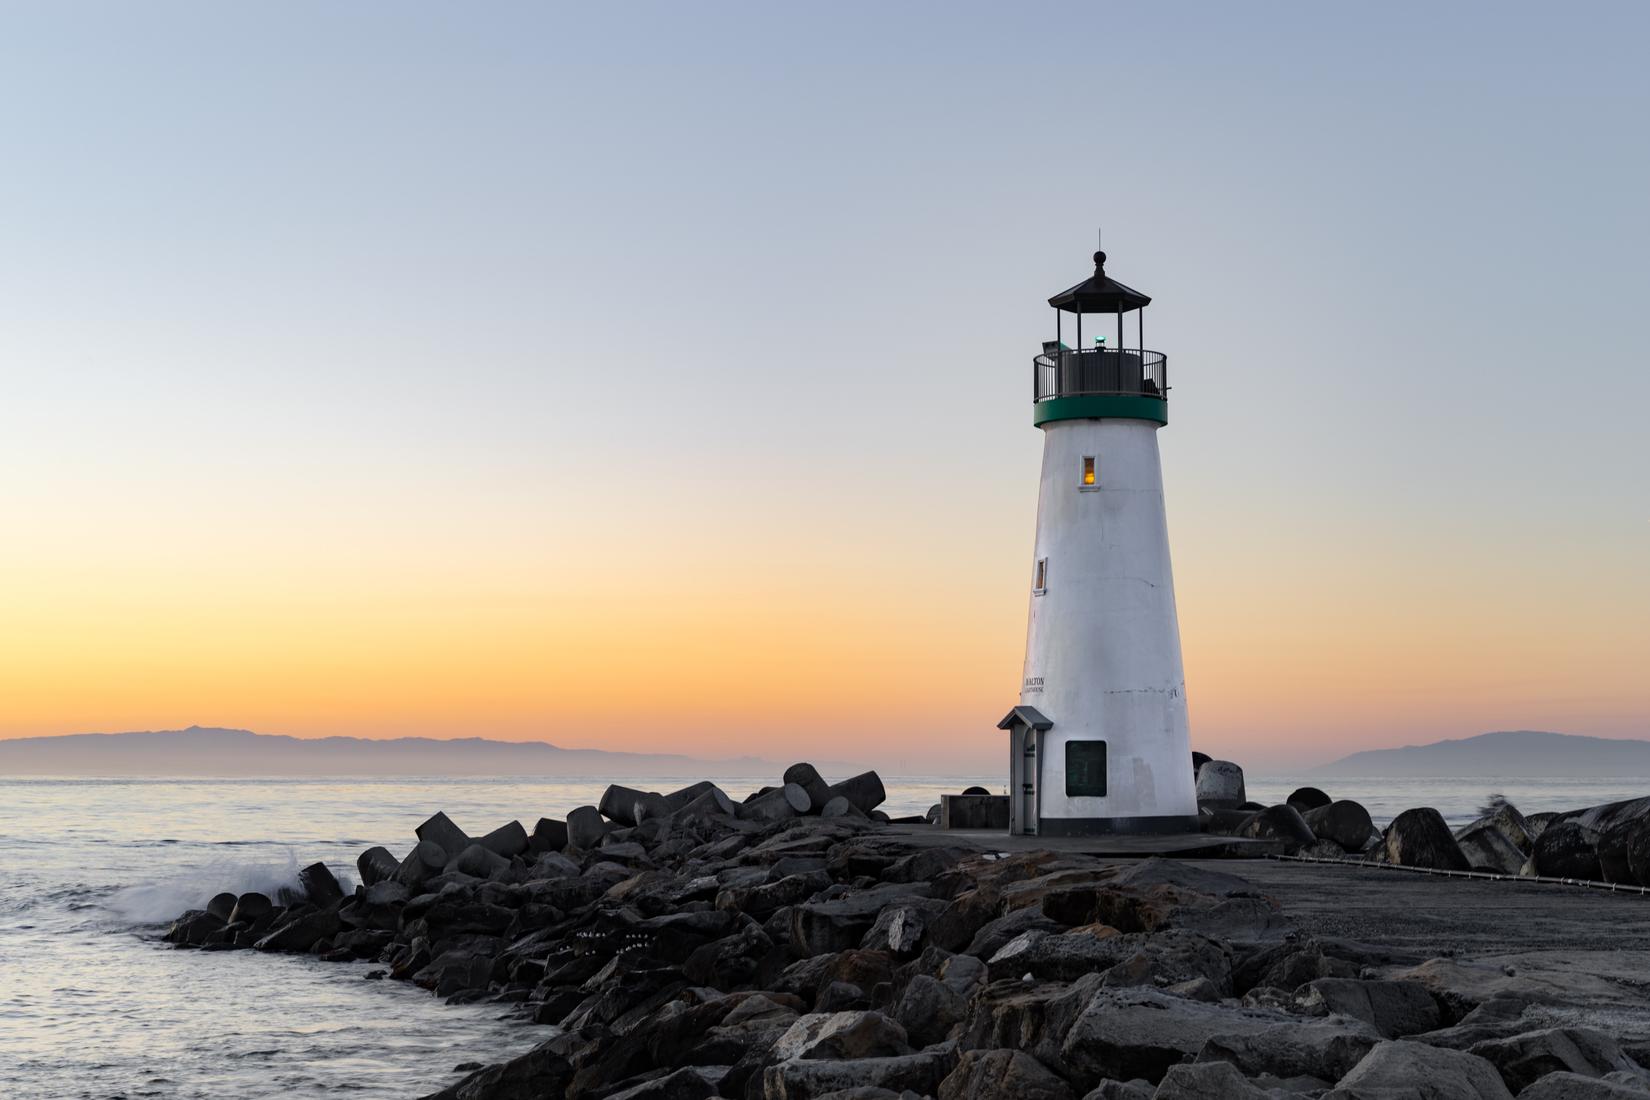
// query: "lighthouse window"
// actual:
[[1039, 580], [1085, 769], [1091, 473]]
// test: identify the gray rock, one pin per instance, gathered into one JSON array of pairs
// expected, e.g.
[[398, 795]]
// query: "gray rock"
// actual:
[[1419, 838], [1122, 1090], [1402, 1070], [376, 865], [1345, 822], [813, 1078], [1220, 785], [1207, 1081], [864, 790], [1509, 822], [836, 925], [1393, 1008], [441, 831], [898, 929], [986, 1073], [1327, 1048], [687, 1083], [1488, 849], [1125, 1033], [585, 828], [508, 840], [1522, 1059], [842, 1035], [1575, 1086]]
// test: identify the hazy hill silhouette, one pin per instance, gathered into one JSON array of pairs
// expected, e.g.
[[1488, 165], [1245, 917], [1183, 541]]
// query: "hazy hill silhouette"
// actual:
[[1531, 754], [199, 751]]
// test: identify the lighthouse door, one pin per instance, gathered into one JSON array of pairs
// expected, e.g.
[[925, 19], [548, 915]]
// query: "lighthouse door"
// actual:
[[1027, 794]]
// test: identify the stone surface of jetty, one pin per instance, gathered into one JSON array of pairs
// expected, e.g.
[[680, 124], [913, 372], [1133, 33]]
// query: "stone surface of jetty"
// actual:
[[797, 945]]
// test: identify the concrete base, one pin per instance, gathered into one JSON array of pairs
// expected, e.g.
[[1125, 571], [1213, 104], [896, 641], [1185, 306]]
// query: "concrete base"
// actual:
[[1189, 845], [1165, 825], [974, 811]]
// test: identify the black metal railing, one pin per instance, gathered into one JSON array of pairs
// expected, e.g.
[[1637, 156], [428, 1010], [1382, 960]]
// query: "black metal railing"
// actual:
[[1073, 372]]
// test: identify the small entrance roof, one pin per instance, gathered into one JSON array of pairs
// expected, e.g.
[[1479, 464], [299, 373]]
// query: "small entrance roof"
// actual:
[[1025, 716], [1099, 294]]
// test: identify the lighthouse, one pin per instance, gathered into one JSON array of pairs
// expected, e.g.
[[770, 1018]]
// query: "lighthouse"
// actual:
[[1099, 742]]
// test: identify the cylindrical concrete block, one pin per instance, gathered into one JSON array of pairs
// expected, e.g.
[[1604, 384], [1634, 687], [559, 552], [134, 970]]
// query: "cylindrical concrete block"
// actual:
[[863, 790], [808, 778], [1220, 785], [619, 803], [778, 804], [585, 828]]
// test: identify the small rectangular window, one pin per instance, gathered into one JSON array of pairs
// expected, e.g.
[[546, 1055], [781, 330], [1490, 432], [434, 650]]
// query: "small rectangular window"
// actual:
[[1085, 769], [1039, 579], [1091, 473]]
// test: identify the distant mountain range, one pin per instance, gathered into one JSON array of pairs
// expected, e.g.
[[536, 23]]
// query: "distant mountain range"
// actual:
[[1524, 754], [199, 751]]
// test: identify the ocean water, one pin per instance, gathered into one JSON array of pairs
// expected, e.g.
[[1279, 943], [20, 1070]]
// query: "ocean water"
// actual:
[[93, 1006]]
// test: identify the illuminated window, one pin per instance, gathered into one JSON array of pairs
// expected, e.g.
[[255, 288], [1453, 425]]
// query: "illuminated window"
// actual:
[[1085, 769], [1039, 580], [1091, 473]]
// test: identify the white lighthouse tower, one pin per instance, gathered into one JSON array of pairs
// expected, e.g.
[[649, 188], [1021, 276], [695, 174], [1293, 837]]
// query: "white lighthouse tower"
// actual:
[[1099, 743]]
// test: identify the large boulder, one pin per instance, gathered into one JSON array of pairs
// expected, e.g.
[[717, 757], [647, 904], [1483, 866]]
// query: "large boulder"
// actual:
[[302, 932], [1577, 1086], [250, 908], [1207, 1081], [985, 1073], [1504, 816], [1566, 850], [1393, 1008], [1419, 838], [1126, 1033], [1326, 1048], [1404, 1070], [815, 1078], [426, 859], [1345, 822], [1220, 785], [1615, 847], [1522, 1059], [838, 924], [842, 1035], [376, 865]]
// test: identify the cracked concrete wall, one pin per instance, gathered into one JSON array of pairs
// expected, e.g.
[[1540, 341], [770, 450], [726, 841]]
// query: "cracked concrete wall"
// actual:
[[1103, 643]]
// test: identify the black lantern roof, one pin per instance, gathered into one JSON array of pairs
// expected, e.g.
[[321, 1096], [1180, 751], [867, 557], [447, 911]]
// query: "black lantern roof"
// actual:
[[1099, 294]]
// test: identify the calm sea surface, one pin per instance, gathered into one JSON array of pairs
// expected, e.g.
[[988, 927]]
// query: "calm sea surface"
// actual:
[[93, 1006]]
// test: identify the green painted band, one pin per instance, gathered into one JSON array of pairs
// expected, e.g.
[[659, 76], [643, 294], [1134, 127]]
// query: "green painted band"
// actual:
[[1121, 406]]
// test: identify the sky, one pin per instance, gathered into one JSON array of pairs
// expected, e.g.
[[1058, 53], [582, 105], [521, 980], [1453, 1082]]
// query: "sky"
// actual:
[[655, 377]]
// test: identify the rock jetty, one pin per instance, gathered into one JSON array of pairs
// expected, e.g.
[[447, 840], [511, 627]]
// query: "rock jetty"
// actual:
[[796, 945]]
